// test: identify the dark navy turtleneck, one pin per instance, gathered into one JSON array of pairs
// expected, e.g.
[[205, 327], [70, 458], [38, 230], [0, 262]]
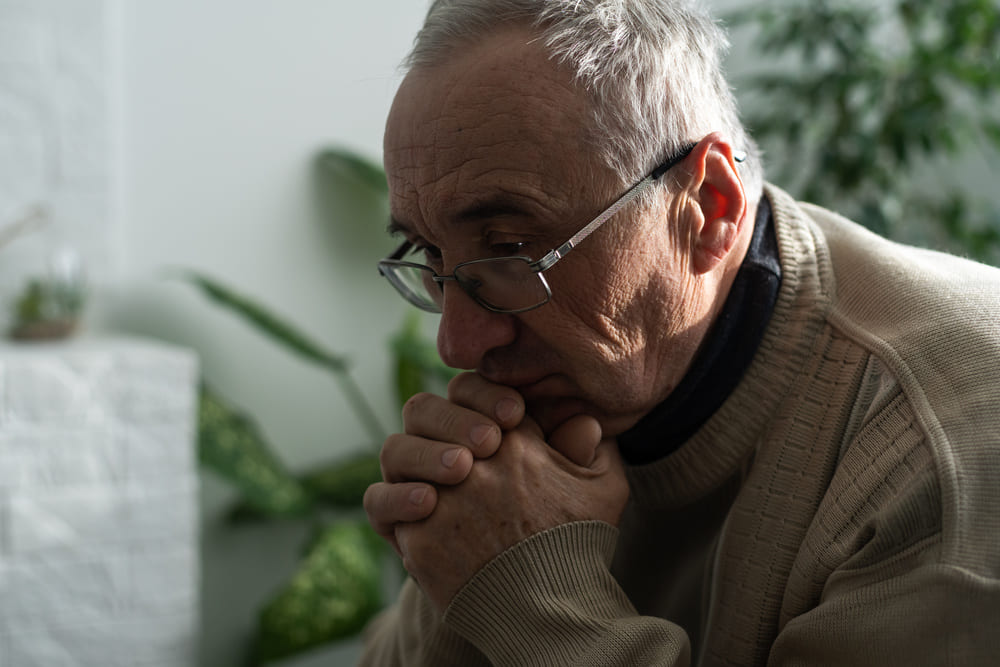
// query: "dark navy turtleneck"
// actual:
[[722, 358]]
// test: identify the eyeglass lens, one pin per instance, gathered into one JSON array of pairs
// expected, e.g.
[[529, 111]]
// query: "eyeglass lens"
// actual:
[[502, 283], [416, 284]]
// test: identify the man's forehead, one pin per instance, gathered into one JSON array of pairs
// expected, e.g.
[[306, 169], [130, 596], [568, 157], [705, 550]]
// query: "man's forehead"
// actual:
[[505, 83], [498, 119]]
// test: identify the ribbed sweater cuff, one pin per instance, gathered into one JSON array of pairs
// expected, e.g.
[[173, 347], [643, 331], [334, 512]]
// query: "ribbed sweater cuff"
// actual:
[[544, 600]]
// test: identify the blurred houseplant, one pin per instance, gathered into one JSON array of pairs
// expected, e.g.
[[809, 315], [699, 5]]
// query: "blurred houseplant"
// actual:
[[863, 107], [49, 305], [337, 587]]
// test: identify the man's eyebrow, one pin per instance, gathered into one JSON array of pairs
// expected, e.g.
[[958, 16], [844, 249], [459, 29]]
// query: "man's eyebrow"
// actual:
[[487, 209], [479, 211], [395, 227]]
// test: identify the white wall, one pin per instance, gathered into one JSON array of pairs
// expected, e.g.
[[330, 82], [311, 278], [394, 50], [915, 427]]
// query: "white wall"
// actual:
[[55, 81], [223, 105]]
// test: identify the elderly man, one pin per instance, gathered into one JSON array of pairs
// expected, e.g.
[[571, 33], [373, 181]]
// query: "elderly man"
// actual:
[[702, 423]]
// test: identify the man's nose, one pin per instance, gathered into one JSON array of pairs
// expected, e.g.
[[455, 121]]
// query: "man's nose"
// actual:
[[467, 331]]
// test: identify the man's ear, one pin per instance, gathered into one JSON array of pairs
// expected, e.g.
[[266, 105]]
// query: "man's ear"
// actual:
[[716, 188]]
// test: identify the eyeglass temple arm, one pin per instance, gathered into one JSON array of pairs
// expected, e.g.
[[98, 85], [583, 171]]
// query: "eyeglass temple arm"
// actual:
[[555, 255]]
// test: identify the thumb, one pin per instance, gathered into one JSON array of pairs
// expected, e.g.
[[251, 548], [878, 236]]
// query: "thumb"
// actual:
[[577, 439], [607, 457]]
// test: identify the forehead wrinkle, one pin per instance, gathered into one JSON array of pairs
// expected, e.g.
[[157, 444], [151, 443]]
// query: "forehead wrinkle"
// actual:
[[470, 131], [461, 164]]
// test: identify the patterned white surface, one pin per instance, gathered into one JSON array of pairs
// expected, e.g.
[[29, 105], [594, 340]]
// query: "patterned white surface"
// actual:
[[99, 555], [56, 102]]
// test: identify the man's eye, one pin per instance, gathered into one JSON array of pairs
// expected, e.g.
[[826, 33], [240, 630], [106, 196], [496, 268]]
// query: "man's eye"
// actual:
[[427, 253], [432, 258], [507, 249]]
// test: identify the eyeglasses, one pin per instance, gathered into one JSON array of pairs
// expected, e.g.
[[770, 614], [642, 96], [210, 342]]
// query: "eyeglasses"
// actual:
[[504, 284]]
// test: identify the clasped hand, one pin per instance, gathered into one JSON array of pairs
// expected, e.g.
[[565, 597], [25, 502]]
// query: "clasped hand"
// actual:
[[473, 475]]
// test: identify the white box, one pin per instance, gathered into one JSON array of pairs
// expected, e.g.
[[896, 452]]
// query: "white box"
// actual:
[[99, 553]]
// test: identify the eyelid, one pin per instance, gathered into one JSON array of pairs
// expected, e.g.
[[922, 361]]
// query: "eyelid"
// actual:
[[502, 236], [427, 249], [417, 244], [397, 229], [508, 247]]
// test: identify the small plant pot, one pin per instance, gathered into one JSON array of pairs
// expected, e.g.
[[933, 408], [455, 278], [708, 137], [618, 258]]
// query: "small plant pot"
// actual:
[[44, 330]]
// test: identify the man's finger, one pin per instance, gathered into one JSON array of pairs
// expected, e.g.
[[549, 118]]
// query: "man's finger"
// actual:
[[502, 404], [577, 439], [389, 504], [607, 456], [436, 418], [406, 458]]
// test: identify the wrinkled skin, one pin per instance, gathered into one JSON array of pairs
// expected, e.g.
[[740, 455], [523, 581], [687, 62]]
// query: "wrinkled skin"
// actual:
[[486, 156]]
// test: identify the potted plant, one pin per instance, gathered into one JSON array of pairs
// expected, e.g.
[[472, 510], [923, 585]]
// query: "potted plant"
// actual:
[[862, 107], [339, 584]]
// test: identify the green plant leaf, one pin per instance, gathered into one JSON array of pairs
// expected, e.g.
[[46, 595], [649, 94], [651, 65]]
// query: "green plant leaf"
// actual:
[[991, 129], [409, 373], [332, 595], [345, 163], [266, 322], [30, 305], [294, 340], [417, 361], [231, 445], [875, 110], [409, 380], [342, 484]]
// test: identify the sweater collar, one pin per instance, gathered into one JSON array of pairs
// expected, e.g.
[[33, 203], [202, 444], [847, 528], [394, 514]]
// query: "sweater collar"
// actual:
[[726, 442], [724, 356]]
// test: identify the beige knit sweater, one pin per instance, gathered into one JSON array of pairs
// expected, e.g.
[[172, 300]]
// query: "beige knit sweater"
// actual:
[[841, 508]]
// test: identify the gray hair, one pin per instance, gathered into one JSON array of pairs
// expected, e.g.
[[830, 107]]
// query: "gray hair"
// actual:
[[653, 69]]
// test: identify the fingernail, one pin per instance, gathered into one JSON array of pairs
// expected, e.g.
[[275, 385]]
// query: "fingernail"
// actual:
[[450, 456], [506, 408], [417, 496], [480, 433]]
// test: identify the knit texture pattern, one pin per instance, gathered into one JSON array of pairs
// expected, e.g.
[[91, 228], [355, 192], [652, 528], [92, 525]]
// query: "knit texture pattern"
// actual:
[[842, 507]]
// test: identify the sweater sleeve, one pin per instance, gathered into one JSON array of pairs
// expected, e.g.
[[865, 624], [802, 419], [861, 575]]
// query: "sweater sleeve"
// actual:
[[551, 600], [902, 587], [932, 615], [411, 634]]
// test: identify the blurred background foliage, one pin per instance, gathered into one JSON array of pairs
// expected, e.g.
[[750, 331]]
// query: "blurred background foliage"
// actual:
[[341, 579], [865, 107]]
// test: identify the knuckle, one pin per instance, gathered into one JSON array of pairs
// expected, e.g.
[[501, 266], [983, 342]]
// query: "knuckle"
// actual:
[[391, 444], [403, 541], [411, 547], [371, 500], [450, 422], [423, 458], [387, 454], [516, 442], [414, 405], [408, 563]]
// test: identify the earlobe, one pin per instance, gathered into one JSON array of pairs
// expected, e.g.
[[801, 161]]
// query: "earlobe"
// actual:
[[719, 194]]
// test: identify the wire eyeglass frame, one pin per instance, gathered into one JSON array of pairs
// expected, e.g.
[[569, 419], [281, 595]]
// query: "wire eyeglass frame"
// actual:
[[393, 267]]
